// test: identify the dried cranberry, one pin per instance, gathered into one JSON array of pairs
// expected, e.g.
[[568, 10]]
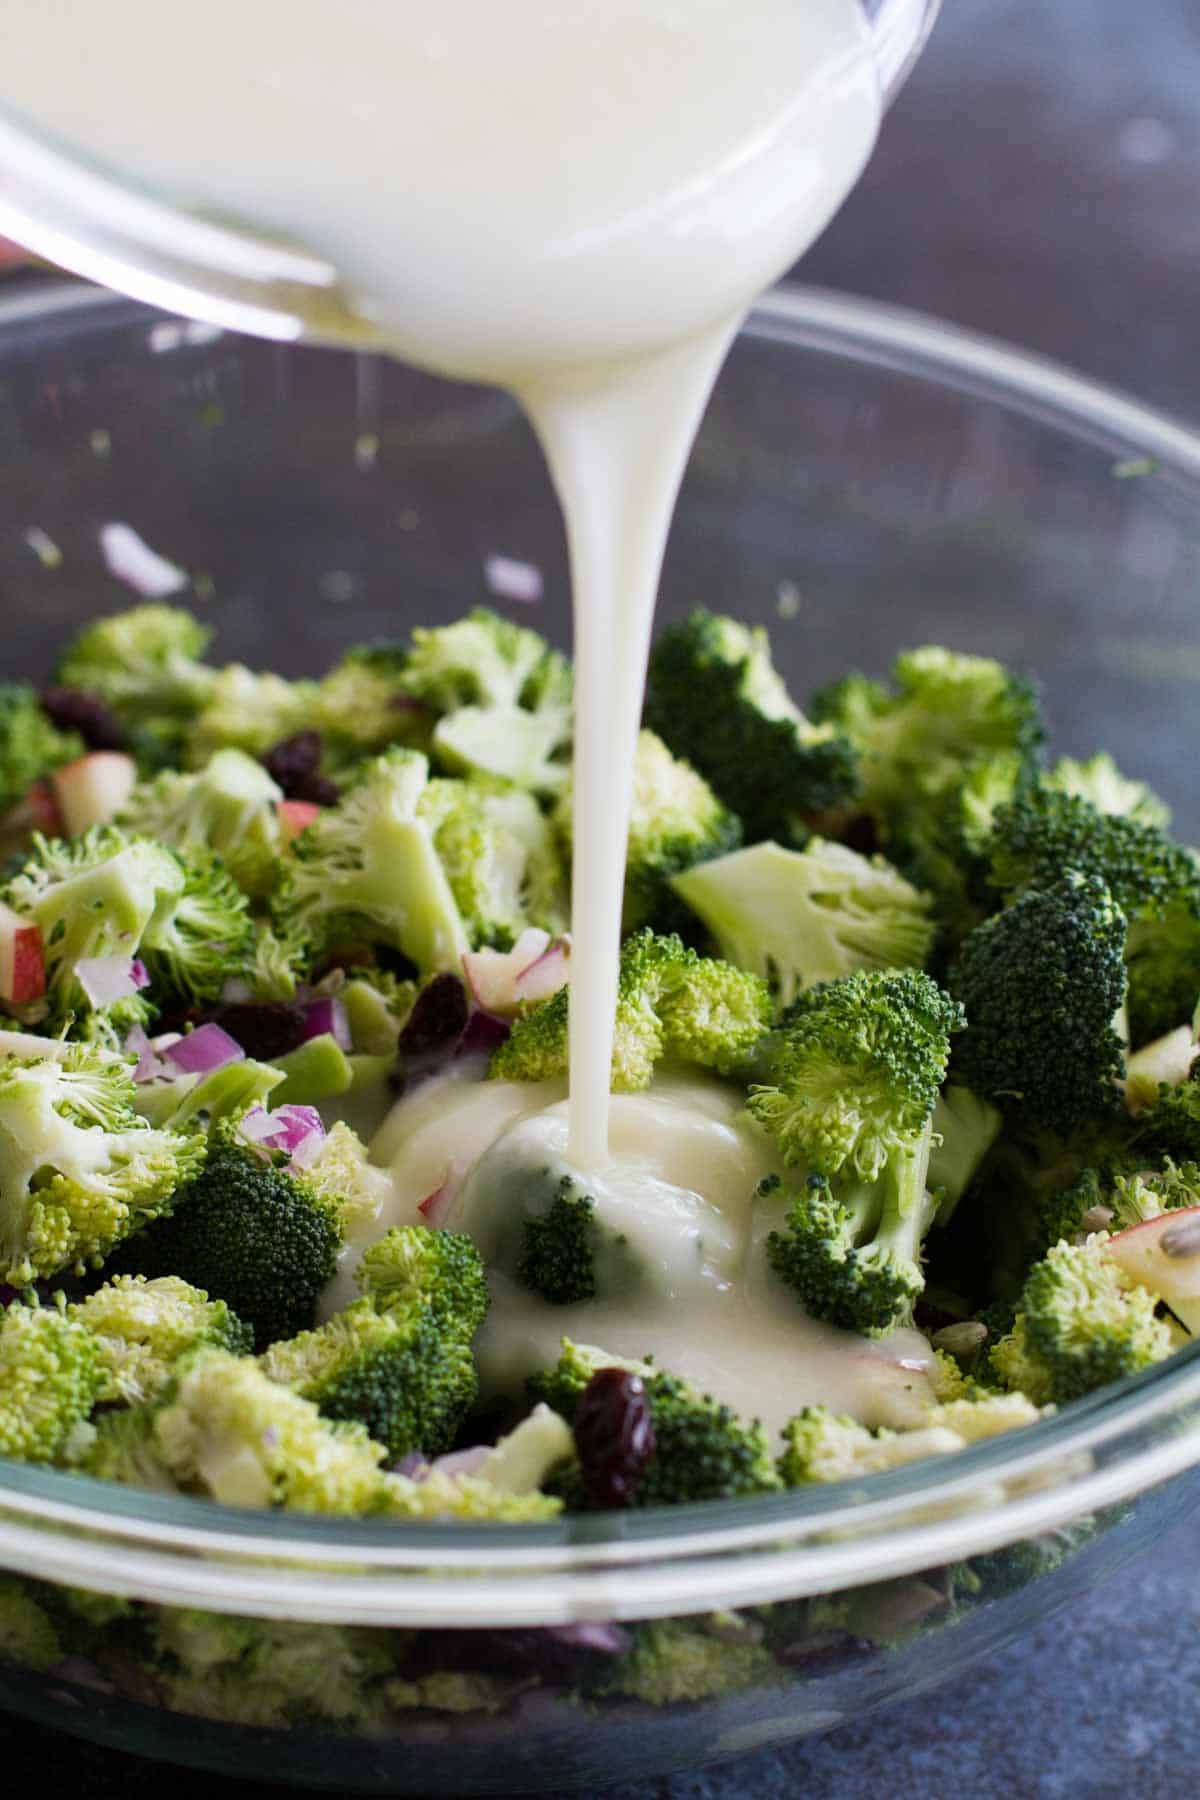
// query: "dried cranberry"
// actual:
[[614, 1436], [437, 1020], [264, 1029], [71, 709], [319, 789], [294, 761]]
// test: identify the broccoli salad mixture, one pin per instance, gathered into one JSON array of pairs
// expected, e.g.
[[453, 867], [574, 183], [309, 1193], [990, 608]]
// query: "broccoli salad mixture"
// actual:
[[904, 1140]]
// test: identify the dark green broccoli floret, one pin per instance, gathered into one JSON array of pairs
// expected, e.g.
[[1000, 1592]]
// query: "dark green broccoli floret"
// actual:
[[249, 1233], [797, 917], [1080, 1324], [1154, 882], [50, 1379], [670, 1003], [674, 1661], [702, 1450], [1042, 983], [440, 1269], [556, 1258], [941, 843], [400, 1373], [853, 1256], [714, 697], [30, 746]]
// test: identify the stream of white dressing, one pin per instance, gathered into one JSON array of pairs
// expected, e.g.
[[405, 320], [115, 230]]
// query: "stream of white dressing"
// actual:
[[578, 200]]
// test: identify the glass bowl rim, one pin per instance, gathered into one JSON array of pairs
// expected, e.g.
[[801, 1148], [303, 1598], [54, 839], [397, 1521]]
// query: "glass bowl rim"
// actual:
[[1098, 1452]]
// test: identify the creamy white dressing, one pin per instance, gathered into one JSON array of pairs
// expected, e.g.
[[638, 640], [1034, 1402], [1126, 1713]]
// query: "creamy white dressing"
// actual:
[[577, 199]]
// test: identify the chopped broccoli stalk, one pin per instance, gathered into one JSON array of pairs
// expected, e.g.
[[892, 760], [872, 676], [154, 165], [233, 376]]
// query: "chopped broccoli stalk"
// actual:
[[500, 857], [504, 697], [702, 1450], [227, 809], [1041, 983], [367, 871], [247, 1232], [142, 1328], [145, 663], [715, 698], [50, 1379], [246, 711], [946, 711], [671, 1003], [79, 1170], [964, 1130], [525, 1459], [30, 746], [408, 1380], [440, 1269], [226, 1430], [377, 1005], [1099, 781], [1154, 882], [676, 822], [318, 1070], [28, 1636], [1080, 1324], [223, 1093], [797, 917], [676, 1661]]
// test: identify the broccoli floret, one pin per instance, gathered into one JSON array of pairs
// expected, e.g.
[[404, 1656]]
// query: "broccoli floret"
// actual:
[[820, 1445], [226, 1430], [142, 1328], [227, 809], [676, 1661], [505, 1488], [247, 1232], [556, 1258], [941, 843], [504, 697], [79, 1170], [362, 707], [964, 1130], [439, 1269], [916, 743], [269, 1673], [406, 1377], [799, 917], [1102, 785], [93, 897], [30, 746], [1080, 1324], [702, 1449], [715, 698], [144, 663], [500, 856], [1154, 882], [50, 1379], [671, 1003], [1149, 1193], [247, 711], [852, 1255], [27, 1634], [676, 821], [1042, 983], [341, 1175], [204, 939], [366, 871], [276, 964]]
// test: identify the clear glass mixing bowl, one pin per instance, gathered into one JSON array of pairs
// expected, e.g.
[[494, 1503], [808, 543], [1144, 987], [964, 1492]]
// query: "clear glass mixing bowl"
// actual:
[[864, 480]]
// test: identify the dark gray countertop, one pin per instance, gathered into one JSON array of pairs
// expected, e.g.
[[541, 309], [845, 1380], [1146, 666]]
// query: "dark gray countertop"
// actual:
[[1039, 180]]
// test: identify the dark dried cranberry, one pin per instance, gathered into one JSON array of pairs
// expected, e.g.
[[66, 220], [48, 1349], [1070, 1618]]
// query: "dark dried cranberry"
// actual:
[[294, 761], [71, 709], [317, 788], [437, 1020], [265, 1029], [614, 1436]]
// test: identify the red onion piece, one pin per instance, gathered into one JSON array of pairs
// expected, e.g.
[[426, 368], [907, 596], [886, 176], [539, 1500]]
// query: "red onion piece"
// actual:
[[326, 1017], [108, 978], [257, 1125], [205, 1049], [295, 1126], [150, 1066], [137, 970]]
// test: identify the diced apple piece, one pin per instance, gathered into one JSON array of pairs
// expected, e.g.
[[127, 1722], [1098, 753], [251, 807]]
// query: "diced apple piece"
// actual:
[[493, 976], [1168, 1059], [22, 965], [93, 789], [295, 816], [1163, 1255]]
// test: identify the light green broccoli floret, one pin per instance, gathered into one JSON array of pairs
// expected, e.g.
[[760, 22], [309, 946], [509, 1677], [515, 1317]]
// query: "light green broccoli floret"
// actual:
[[500, 856], [50, 1378], [341, 1174], [367, 871], [142, 1328], [1099, 781], [205, 937], [675, 822], [438, 1269], [275, 963], [244, 710], [797, 917], [79, 1170], [145, 663], [504, 697], [674, 1661], [671, 1004], [362, 706], [28, 1636], [228, 809], [30, 746], [820, 1445], [268, 1672]]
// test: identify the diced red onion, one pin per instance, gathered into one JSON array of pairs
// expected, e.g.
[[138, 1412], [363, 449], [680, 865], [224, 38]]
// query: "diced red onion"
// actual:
[[413, 1466], [545, 976], [461, 1462], [257, 1125], [296, 1130], [108, 978], [326, 1017], [205, 1049], [138, 971], [150, 1066], [592, 1634]]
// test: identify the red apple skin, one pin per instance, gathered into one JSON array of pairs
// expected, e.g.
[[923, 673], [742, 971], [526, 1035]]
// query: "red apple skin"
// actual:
[[296, 816], [1174, 1279], [22, 964]]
